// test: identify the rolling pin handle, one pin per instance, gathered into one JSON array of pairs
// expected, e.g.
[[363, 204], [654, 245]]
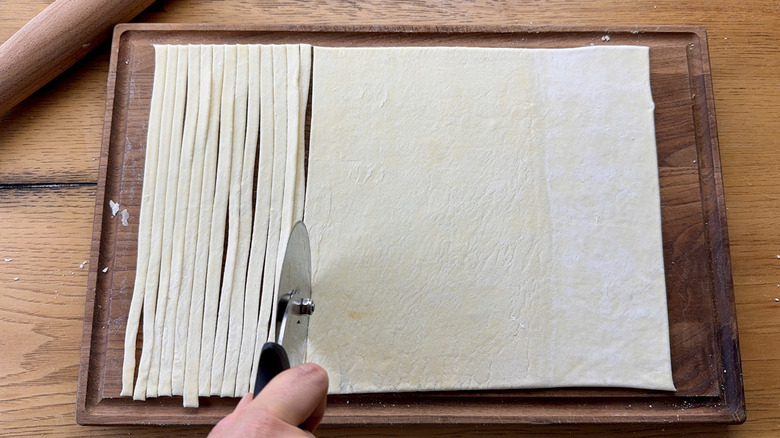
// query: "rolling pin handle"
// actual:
[[54, 40]]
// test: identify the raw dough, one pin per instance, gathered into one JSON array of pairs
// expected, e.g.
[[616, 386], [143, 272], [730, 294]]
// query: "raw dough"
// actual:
[[193, 240], [485, 218], [254, 333], [226, 300], [268, 299], [203, 317], [303, 94], [245, 146], [155, 242], [291, 162], [168, 290], [203, 256], [145, 220], [219, 216], [251, 295], [185, 203]]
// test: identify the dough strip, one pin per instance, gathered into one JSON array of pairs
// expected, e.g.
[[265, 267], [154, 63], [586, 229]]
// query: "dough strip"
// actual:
[[145, 219]]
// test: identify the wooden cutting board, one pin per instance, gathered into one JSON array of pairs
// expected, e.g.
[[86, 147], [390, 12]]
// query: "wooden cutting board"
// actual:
[[705, 353]]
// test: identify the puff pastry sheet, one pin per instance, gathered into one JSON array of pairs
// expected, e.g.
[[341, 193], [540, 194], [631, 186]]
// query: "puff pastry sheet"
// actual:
[[485, 218]]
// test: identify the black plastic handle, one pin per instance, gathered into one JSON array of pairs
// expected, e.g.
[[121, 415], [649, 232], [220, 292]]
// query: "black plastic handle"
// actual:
[[273, 360]]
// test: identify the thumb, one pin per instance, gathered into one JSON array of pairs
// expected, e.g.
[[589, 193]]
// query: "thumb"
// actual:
[[296, 396]]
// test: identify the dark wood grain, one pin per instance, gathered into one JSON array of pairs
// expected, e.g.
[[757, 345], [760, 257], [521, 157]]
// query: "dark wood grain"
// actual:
[[704, 344]]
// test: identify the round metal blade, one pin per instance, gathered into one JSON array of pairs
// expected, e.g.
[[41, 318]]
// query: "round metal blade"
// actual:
[[294, 291]]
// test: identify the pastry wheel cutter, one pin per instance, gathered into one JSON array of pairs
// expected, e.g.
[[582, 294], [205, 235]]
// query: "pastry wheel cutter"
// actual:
[[293, 307]]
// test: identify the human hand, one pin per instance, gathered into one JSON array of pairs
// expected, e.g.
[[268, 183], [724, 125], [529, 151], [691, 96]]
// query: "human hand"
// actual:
[[294, 397]]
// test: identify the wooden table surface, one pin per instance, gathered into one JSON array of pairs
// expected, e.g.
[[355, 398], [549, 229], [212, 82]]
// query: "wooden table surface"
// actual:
[[49, 148]]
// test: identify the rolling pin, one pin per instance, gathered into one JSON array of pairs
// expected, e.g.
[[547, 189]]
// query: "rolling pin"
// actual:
[[54, 40]]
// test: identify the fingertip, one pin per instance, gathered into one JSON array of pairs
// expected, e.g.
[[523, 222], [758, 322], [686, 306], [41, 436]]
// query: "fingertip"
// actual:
[[319, 380], [317, 374]]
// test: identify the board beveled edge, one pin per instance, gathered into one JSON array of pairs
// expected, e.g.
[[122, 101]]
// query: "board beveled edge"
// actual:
[[733, 392], [729, 407], [83, 413]]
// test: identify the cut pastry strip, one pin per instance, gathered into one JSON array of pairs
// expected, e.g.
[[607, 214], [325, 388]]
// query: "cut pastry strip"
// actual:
[[254, 335], [210, 297], [167, 292], [145, 219], [233, 302], [205, 325], [218, 217], [303, 85], [155, 244], [267, 307], [231, 385], [291, 159], [225, 176], [181, 275], [168, 289], [193, 240]]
